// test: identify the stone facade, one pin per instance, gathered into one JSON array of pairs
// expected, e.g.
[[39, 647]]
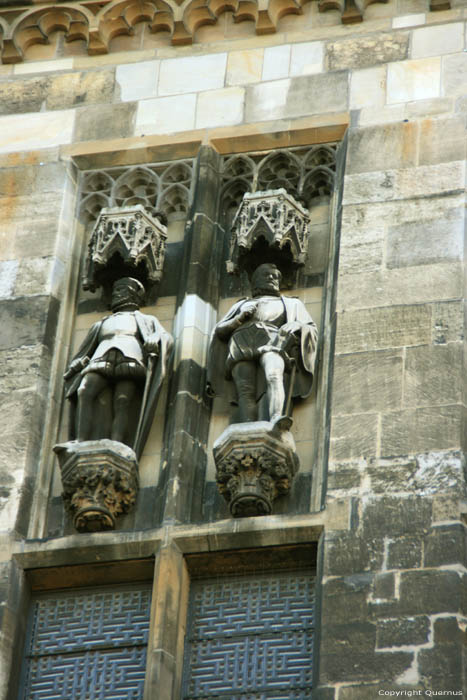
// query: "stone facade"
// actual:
[[119, 107]]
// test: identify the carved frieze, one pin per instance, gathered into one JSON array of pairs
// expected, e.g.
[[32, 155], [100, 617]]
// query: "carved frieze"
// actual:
[[97, 22]]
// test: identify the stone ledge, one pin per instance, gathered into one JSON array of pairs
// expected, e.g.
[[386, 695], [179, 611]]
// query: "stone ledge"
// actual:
[[137, 150]]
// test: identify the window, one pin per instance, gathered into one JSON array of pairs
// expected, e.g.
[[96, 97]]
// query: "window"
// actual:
[[87, 644], [250, 637]]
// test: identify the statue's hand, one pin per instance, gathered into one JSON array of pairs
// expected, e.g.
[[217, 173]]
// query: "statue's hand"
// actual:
[[151, 347], [76, 366], [290, 328], [248, 310]]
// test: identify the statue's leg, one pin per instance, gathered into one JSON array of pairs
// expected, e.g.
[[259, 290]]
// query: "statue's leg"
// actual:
[[91, 386], [244, 376], [273, 366], [124, 393]]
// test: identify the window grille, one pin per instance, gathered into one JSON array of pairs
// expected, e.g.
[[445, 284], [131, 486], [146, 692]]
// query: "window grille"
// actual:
[[250, 637], [87, 645]]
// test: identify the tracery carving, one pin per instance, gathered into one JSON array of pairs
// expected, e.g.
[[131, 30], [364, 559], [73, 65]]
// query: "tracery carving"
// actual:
[[163, 189], [98, 22], [304, 173]]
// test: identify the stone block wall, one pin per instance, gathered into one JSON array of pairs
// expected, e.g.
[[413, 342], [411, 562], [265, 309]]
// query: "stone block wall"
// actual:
[[387, 289]]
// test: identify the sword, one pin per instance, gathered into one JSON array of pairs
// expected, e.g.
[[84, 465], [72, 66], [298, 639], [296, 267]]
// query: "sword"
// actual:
[[151, 362]]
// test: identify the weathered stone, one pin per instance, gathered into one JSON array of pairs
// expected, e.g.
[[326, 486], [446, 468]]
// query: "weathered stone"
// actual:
[[353, 436], [382, 147], [345, 638], [137, 81], [442, 140], [413, 80], [420, 243], [23, 96], [441, 667], [192, 74], [367, 382], [71, 90], [375, 329], [21, 368], [384, 586], [446, 508], [429, 592], [343, 477], [358, 692], [346, 553], [454, 75], [27, 321], [364, 666], [31, 131], [105, 122], [433, 375], [432, 41], [394, 516], [324, 693], [345, 599], [386, 287], [448, 322], [405, 553], [417, 430], [220, 107], [297, 97], [368, 87], [390, 475], [363, 52], [164, 115], [445, 544], [404, 631], [437, 180], [32, 179]]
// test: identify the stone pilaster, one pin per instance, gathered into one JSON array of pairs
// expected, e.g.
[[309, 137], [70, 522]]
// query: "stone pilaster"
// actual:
[[188, 407]]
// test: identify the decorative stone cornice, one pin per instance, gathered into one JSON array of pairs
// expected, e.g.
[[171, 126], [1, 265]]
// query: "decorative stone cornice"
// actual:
[[98, 22]]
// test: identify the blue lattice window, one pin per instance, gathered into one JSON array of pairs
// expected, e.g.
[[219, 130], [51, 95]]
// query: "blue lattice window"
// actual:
[[250, 637], [87, 645]]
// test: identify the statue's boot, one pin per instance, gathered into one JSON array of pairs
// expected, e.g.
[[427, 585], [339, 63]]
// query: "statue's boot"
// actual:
[[281, 422]]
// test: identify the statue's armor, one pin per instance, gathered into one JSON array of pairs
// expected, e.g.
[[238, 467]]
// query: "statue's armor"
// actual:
[[259, 334], [120, 332], [119, 353]]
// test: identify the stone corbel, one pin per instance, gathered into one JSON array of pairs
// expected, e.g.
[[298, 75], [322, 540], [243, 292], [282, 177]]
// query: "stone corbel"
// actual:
[[255, 463], [100, 482]]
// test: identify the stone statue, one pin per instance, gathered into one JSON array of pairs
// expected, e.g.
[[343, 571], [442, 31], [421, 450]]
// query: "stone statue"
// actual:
[[114, 380], [265, 349]]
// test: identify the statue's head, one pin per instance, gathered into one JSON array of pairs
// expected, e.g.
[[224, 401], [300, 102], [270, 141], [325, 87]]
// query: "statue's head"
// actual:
[[127, 293], [266, 279]]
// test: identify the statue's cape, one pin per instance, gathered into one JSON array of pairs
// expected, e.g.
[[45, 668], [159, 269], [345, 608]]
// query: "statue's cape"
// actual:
[[305, 359], [150, 329]]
